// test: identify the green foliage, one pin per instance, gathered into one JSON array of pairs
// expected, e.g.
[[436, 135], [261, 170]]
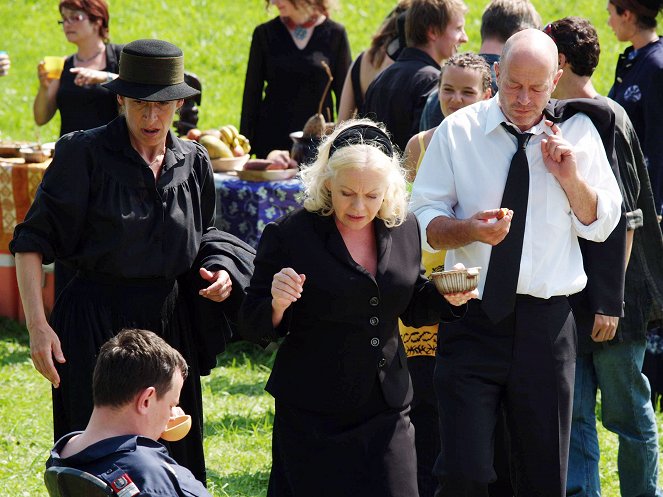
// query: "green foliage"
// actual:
[[215, 38]]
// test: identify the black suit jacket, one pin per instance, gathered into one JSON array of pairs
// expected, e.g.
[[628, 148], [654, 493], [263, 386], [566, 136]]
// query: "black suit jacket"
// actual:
[[342, 334], [603, 262]]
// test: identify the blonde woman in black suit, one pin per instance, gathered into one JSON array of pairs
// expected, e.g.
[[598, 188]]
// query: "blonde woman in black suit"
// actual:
[[333, 278]]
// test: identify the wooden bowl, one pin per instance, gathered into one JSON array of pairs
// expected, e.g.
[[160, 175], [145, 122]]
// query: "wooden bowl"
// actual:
[[229, 164], [33, 154], [9, 149], [456, 280], [177, 428]]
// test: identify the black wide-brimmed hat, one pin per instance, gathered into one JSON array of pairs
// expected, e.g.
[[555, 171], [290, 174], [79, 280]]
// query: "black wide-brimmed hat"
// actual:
[[151, 70]]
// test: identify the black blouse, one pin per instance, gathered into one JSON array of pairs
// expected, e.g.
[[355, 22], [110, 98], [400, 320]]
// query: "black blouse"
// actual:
[[99, 208], [90, 106], [284, 84]]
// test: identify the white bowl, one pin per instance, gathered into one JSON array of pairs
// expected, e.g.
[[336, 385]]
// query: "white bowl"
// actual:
[[456, 280], [230, 163]]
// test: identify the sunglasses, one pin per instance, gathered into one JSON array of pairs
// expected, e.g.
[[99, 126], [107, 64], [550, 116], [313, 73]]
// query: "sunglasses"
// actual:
[[73, 19]]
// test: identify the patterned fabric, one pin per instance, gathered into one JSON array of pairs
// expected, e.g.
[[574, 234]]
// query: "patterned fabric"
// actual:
[[244, 208], [18, 186]]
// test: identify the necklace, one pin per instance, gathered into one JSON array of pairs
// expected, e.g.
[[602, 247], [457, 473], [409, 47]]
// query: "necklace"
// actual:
[[299, 31], [83, 61]]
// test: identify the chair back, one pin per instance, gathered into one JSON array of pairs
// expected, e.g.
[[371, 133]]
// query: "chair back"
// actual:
[[70, 482]]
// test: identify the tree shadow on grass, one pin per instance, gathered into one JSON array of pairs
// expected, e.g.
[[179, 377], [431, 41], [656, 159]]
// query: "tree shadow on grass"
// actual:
[[14, 343], [239, 484]]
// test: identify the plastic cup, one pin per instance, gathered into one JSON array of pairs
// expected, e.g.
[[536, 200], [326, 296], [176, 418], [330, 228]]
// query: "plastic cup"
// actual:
[[3, 70], [53, 66]]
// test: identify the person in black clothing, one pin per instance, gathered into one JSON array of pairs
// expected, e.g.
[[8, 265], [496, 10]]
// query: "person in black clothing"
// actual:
[[611, 350], [285, 79], [433, 29], [333, 278], [131, 208], [79, 95]]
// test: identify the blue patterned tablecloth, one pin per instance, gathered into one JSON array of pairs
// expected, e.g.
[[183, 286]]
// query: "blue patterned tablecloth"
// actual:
[[243, 208]]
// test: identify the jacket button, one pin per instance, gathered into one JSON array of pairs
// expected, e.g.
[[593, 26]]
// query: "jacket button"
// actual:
[[382, 362], [374, 321], [375, 341], [374, 301]]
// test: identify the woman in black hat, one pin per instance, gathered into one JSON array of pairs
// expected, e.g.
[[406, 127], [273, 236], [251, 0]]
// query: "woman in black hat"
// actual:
[[126, 205]]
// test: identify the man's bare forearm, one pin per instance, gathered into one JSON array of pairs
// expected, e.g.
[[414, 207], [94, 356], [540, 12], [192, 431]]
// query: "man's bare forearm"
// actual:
[[447, 233], [582, 199]]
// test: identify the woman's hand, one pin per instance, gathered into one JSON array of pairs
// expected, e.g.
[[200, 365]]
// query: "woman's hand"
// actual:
[[44, 347], [85, 76], [458, 299], [221, 285], [287, 287], [42, 74]]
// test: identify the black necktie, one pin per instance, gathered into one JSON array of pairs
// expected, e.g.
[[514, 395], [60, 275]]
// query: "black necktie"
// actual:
[[499, 292]]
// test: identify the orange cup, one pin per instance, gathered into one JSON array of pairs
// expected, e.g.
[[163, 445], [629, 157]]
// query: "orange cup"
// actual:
[[53, 66]]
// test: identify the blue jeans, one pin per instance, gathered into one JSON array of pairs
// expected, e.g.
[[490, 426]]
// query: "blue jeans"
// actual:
[[626, 411]]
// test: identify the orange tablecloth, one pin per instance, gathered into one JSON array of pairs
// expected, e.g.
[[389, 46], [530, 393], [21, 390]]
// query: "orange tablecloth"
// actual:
[[18, 186]]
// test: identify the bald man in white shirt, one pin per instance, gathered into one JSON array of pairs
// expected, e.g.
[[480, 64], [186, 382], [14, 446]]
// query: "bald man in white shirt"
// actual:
[[526, 359]]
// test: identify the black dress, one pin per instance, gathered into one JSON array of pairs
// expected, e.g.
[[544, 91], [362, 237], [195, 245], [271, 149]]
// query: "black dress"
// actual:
[[90, 106], [81, 108], [131, 241], [284, 84], [340, 378]]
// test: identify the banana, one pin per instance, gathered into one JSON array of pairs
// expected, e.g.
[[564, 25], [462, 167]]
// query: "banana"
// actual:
[[233, 130], [226, 135]]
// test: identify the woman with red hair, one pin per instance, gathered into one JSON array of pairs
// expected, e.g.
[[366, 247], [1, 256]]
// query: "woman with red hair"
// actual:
[[78, 94]]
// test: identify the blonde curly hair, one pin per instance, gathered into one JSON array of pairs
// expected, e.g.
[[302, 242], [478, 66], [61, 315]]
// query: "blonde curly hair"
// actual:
[[363, 155]]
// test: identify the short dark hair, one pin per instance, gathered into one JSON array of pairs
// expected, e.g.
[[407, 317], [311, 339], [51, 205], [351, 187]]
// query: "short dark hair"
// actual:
[[132, 361], [424, 15], [577, 39], [469, 60], [503, 18], [94, 9], [644, 21]]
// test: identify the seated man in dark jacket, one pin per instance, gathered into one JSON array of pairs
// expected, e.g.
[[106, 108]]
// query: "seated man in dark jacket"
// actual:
[[136, 387], [433, 29]]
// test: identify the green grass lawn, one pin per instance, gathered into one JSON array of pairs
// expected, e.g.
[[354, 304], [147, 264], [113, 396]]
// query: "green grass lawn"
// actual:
[[238, 422], [215, 37]]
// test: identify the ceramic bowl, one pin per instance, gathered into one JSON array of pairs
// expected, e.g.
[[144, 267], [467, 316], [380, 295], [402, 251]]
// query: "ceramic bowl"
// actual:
[[177, 428], [229, 164], [456, 280]]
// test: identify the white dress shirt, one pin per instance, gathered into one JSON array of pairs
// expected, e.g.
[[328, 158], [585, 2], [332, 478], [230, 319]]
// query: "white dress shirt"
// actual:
[[464, 171]]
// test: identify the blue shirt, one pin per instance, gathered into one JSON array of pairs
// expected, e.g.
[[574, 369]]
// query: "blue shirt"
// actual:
[[144, 460]]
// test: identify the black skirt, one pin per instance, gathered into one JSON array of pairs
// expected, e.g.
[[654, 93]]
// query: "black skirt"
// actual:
[[91, 310], [368, 452]]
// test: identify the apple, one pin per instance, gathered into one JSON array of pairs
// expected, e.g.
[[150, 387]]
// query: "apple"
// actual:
[[238, 151], [194, 134]]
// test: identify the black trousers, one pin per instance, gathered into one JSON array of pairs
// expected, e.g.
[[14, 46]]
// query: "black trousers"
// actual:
[[527, 364]]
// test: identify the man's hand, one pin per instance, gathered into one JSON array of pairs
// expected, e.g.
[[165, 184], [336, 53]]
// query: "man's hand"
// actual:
[[604, 328], [487, 231], [558, 156]]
